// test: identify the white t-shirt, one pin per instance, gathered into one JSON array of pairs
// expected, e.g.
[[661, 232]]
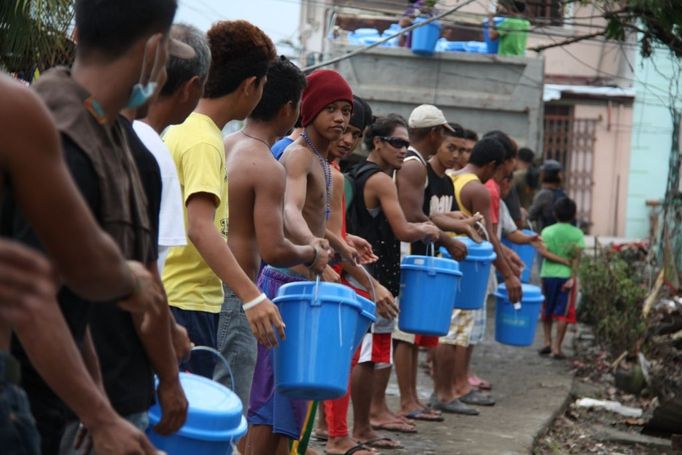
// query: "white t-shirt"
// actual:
[[171, 216]]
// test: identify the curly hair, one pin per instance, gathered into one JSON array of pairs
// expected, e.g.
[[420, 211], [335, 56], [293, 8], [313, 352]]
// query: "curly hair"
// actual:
[[239, 50], [285, 83]]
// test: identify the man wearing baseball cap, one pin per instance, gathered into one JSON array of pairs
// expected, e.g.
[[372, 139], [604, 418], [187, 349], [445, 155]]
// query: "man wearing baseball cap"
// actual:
[[427, 126]]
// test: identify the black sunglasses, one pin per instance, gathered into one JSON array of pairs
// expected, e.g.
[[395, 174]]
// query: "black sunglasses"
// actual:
[[396, 141]]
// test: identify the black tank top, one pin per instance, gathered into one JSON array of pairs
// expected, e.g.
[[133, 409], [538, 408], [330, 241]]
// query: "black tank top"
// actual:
[[439, 197], [374, 228]]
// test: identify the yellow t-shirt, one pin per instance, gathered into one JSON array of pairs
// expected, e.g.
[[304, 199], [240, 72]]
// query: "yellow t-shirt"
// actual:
[[199, 155], [459, 182]]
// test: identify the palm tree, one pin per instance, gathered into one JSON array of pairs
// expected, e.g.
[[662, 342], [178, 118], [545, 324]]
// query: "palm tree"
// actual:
[[35, 34]]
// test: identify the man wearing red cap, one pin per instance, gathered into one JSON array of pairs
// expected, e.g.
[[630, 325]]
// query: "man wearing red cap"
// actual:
[[325, 111]]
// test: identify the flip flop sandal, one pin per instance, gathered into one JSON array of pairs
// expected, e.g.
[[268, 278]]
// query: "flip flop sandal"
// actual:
[[477, 399], [479, 383], [395, 427], [424, 415], [320, 436], [351, 451], [389, 444], [545, 351], [456, 407], [558, 356]]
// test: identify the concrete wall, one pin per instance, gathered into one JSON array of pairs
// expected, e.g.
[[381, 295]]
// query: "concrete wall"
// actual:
[[611, 164], [481, 92], [651, 140]]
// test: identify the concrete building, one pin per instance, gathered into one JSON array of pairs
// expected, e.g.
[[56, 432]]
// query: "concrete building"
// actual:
[[587, 114], [651, 138]]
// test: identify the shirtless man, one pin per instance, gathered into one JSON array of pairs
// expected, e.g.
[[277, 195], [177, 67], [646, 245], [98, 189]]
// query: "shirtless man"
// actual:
[[255, 194], [325, 111], [427, 126], [96, 269]]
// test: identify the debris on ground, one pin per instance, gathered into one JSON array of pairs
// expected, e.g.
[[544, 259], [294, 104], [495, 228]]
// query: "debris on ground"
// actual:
[[613, 406]]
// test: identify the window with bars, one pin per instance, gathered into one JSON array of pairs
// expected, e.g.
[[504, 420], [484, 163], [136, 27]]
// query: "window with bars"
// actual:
[[549, 12]]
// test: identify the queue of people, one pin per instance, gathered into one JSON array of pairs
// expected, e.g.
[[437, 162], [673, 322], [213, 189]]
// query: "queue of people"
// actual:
[[133, 230]]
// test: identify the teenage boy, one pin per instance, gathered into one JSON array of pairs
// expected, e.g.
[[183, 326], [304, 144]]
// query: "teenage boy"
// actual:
[[541, 212], [179, 95], [455, 142], [96, 270], [115, 58], [564, 244], [193, 274], [427, 127], [379, 218], [256, 189], [325, 110], [454, 353], [333, 420]]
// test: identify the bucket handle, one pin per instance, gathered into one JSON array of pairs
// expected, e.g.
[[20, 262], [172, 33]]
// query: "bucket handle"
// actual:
[[316, 291], [371, 283], [223, 360], [484, 230], [432, 249]]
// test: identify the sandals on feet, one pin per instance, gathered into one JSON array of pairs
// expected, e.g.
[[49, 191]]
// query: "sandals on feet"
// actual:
[[425, 415], [352, 450], [545, 351], [396, 427], [383, 443]]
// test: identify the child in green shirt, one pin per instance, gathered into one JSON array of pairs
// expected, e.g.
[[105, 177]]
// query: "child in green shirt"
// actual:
[[513, 30], [561, 250]]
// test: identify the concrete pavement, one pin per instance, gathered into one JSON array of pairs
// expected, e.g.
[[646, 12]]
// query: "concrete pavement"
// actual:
[[530, 390]]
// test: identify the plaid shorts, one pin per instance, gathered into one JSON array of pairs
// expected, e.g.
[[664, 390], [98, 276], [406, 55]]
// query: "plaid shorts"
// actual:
[[461, 325], [478, 330]]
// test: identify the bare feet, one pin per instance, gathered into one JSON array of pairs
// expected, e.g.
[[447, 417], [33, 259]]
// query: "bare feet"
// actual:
[[342, 445]]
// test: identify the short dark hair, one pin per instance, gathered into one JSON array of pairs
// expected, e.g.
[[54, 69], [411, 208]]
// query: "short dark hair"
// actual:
[[510, 148], [526, 155], [239, 50], [180, 70], [110, 27], [457, 131], [383, 126], [487, 150], [470, 135], [285, 83], [565, 210]]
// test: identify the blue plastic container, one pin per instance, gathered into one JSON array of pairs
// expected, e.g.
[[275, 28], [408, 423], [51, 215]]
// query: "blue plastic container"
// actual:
[[313, 363], [424, 38], [367, 316], [428, 290], [444, 45], [214, 420], [527, 254], [492, 46], [476, 47], [517, 327], [475, 269], [390, 31]]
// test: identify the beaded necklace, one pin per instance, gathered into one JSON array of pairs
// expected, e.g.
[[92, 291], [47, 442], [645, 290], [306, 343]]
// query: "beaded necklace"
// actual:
[[327, 174]]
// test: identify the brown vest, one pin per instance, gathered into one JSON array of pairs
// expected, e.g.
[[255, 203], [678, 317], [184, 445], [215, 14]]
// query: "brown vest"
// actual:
[[123, 204]]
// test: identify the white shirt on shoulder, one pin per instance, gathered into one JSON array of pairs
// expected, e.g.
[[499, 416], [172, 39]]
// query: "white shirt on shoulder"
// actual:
[[171, 215]]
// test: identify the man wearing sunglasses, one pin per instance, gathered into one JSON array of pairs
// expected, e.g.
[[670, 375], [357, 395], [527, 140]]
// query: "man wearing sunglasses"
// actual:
[[427, 126]]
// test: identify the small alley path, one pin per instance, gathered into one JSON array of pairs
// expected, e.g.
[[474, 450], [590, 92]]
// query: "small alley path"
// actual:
[[530, 390]]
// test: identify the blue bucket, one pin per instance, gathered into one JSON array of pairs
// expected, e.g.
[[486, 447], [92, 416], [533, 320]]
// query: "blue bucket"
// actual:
[[491, 45], [424, 38], [367, 316], [475, 270], [517, 327], [527, 254], [428, 289], [214, 419], [313, 363]]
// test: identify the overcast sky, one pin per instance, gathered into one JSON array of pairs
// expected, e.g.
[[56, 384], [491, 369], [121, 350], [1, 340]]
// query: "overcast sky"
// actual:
[[277, 18]]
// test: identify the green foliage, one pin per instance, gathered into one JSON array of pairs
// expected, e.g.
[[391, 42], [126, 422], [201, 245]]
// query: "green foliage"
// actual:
[[34, 33], [613, 293], [656, 21]]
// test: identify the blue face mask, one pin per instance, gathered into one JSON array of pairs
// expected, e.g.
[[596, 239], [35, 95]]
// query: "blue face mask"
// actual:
[[140, 94]]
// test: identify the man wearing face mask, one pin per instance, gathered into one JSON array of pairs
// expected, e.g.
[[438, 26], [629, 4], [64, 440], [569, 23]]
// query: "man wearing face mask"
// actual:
[[119, 43]]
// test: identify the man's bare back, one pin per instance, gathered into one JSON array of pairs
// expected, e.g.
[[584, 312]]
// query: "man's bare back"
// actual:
[[251, 168]]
